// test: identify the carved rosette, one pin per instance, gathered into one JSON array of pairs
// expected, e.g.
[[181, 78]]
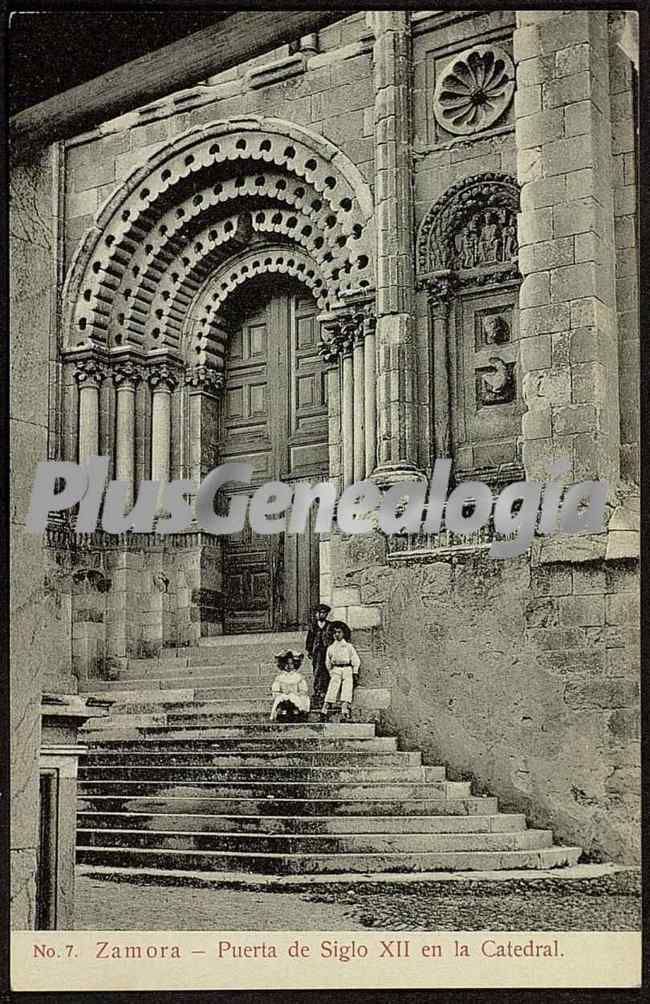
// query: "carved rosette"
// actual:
[[89, 372], [203, 380], [126, 373], [162, 376], [474, 90]]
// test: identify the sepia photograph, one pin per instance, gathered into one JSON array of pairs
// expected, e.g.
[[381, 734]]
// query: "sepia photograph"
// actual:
[[325, 505]]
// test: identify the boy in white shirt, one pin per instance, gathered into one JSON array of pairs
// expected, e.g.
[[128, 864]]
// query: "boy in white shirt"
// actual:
[[342, 662]]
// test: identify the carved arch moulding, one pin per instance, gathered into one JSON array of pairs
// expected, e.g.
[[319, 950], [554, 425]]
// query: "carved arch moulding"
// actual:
[[224, 201]]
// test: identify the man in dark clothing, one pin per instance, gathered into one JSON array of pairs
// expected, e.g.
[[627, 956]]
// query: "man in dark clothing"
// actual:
[[319, 638]]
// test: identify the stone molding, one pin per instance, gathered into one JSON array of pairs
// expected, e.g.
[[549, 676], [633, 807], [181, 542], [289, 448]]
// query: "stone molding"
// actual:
[[297, 185]]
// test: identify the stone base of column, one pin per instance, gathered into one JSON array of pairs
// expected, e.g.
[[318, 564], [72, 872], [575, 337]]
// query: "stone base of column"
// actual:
[[394, 472]]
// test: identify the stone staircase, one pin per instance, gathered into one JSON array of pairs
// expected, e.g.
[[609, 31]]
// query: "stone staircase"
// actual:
[[188, 774]]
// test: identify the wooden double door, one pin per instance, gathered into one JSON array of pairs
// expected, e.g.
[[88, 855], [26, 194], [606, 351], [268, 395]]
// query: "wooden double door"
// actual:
[[274, 416]]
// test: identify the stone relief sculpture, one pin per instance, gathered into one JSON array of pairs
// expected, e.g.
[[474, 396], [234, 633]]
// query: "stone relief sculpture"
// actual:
[[495, 383], [489, 238], [495, 329], [474, 90], [472, 227]]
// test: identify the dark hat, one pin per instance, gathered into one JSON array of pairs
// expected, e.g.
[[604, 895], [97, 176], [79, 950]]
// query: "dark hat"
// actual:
[[347, 634], [282, 657], [323, 606]]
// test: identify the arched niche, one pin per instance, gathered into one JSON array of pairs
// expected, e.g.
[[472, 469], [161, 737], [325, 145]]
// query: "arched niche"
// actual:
[[467, 264]]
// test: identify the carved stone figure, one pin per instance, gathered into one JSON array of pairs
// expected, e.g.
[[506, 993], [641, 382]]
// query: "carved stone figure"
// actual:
[[495, 384], [495, 329], [509, 235], [489, 247], [470, 245]]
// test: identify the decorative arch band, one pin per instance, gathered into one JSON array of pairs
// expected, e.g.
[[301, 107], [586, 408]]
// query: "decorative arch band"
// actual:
[[197, 204]]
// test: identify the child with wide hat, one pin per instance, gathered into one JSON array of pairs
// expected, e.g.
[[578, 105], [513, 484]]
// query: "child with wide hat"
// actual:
[[291, 696]]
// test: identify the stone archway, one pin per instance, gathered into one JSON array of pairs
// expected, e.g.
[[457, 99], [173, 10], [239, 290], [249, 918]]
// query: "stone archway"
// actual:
[[145, 300], [192, 207]]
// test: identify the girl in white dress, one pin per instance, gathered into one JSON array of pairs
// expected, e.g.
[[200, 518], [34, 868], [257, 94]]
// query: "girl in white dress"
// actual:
[[291, 701]]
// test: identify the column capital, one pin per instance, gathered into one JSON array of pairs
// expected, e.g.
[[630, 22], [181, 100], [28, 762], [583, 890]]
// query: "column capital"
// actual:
[[126, 373], [346, 329], [89, 371], [162, 376], [203, 380], [440, 288]]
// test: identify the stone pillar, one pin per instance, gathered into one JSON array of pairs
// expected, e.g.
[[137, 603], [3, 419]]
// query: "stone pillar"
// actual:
[[163, 380], [359, 463], [205, 388], [568, 348], [370, 392], [347, 413], [125, 375], [89, 374], [395, 253], [62, 716]]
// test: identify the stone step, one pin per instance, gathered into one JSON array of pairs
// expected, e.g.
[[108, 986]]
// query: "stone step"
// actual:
[[221, 805], [189, 680], [283, 731], [145, 701], [174, 773], [219, 701], [212, 823], [551, 857], [158, 671], [299, 843], [215, 742], [301, 759], [279, 638], [273, 790]]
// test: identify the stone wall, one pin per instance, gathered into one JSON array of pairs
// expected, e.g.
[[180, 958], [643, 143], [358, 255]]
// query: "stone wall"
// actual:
[[39, 628], [520, 675], [132, 598]]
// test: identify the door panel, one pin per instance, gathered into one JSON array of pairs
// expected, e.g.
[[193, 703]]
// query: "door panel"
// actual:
[[275, 417]]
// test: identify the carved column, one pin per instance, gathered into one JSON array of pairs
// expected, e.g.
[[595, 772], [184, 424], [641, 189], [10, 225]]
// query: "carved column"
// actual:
[[162, 379], [439, 294], [125, 376], [370, 392], [347, 410], [359, 407], [329, 351], [89, 374], [395, 273], [205, 389]]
